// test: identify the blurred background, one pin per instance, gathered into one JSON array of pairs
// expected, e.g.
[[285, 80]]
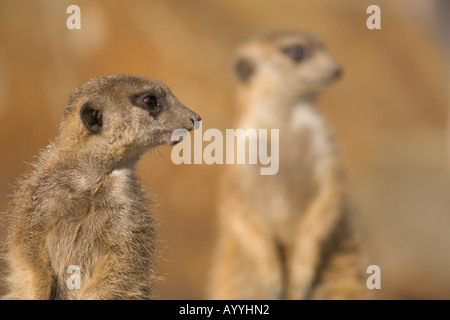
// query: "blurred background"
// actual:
[[389, 113]]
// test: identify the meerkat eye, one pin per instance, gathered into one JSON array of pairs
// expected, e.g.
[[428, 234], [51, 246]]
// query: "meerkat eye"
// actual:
[[297, 53], [150, 101]]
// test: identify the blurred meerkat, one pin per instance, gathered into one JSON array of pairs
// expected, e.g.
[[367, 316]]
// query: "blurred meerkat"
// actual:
[[82, 204], [287, 235]]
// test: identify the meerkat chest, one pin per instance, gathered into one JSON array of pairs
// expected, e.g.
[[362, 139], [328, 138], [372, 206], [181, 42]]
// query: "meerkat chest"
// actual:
[[306, 154], [82, 231], [307, 134], [306, 149]]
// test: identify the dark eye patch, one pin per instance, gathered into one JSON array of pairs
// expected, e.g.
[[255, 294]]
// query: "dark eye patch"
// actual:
[[244, 69], [296, 52]]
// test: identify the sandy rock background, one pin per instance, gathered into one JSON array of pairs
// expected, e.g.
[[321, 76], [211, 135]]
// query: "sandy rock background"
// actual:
[[389, 113]]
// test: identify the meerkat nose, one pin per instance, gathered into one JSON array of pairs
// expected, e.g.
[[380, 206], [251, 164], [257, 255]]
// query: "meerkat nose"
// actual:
[[337, 72], [195, 117]]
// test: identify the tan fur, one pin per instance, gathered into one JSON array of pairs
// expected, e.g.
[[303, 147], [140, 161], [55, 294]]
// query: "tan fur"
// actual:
[[288, 235], [81, 204]]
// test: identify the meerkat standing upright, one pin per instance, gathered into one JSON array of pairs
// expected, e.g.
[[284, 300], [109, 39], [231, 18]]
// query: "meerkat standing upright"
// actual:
[[82, 204], [286, 235]]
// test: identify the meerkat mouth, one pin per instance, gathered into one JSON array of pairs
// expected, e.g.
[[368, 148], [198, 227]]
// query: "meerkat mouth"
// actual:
[[176, 136], [172, 143]]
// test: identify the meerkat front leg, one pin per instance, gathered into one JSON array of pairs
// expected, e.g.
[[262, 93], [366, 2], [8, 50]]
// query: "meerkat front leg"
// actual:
[[101, 286], [125, 272], [313, 231], [256, 239], [30, 277], [117, 278]]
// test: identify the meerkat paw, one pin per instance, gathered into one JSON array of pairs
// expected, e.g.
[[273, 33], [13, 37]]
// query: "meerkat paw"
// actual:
[[274, 287], [275, 294], [89, 294], [301, 285], [299, 292], [10, 297]]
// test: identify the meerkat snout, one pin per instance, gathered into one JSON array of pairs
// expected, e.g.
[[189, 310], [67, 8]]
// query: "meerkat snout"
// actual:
[[195, 118]]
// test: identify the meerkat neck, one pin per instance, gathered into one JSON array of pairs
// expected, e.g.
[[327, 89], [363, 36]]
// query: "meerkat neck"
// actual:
[[84, 165], [266, 111]]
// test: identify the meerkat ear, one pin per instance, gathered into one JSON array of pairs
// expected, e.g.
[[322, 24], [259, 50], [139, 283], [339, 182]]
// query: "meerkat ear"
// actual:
[[92, 118], [244, 69]]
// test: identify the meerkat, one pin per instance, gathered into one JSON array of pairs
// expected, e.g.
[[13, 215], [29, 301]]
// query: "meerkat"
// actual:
[[289, 235], [82, 204]]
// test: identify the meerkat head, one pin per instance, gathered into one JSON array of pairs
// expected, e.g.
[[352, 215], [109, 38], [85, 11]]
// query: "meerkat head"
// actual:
[[288, 65], [123, 116]]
